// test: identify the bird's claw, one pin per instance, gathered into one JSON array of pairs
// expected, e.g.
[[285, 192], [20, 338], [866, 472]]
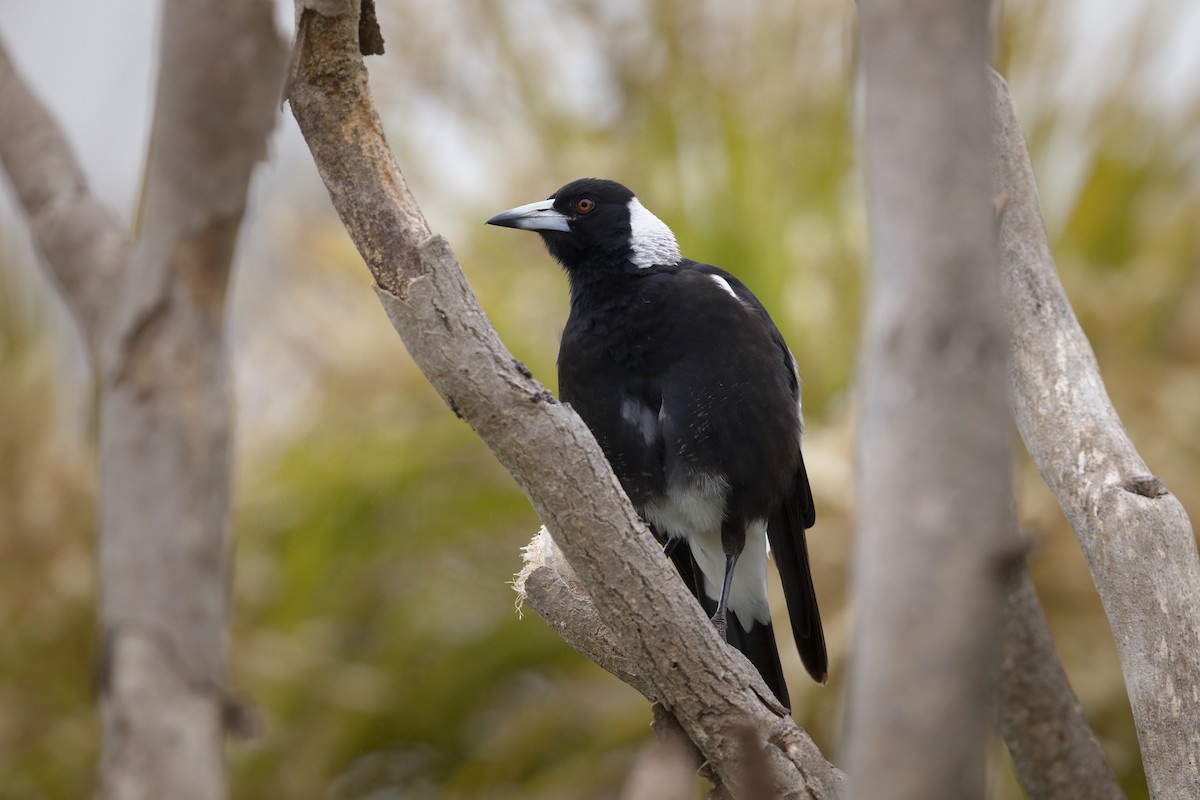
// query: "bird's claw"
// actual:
[[718, 621]]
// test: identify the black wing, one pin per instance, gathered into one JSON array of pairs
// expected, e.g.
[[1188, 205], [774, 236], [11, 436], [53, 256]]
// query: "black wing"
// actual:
[[619, 405], [787, 523]]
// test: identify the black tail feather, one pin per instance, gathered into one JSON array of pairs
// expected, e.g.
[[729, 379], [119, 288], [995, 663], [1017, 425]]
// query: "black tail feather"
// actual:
[[757, 644], [785, 530], [688, 569]]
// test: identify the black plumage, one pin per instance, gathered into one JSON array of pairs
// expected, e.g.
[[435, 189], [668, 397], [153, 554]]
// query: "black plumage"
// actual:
[[694, 397]]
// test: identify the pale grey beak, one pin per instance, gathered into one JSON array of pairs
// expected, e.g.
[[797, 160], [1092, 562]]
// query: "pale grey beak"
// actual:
[[539, 216]]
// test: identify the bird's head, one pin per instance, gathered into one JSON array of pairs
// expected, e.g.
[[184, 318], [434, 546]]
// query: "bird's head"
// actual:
[[594, 224]]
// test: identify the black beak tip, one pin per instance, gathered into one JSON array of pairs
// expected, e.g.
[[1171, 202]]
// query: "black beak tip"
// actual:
[[505, 219]]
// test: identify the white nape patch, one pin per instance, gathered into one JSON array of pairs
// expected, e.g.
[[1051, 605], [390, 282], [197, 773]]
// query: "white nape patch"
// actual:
[[724, 284], [650, 240]]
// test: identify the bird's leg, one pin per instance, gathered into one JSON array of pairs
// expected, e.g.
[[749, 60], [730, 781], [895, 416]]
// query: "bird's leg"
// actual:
[[733, 541], [666, 541], [718, 618], [670, 545]]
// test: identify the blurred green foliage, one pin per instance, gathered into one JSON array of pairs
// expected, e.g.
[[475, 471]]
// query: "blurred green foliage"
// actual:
[[374, 630]]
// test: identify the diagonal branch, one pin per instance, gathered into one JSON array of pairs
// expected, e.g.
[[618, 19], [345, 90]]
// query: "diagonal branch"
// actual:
[[1134, 533], [1053, 751], [82, 244], [548, 585], [544, 445]]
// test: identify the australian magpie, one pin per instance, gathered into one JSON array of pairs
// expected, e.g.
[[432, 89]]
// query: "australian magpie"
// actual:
[[694, 397]]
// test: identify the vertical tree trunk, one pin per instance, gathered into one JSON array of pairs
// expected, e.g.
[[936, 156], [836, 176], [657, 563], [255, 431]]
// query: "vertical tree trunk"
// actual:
[[153, 316], [934, 460], [165, 423]]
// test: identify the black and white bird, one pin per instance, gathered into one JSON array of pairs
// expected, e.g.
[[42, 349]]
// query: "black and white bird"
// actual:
[[694, 397]]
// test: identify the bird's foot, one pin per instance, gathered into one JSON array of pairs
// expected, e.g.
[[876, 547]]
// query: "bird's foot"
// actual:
[[718, 621]]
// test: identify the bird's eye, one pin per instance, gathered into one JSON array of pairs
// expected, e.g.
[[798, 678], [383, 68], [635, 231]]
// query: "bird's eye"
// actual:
[[584, 205]]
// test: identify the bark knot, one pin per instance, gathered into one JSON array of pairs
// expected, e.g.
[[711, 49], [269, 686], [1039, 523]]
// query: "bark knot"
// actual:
[[1146, 485]]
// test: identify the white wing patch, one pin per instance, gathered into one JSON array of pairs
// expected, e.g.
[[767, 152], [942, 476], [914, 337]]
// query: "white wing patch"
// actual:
[[724, 284], [639, 416], [650, 240]]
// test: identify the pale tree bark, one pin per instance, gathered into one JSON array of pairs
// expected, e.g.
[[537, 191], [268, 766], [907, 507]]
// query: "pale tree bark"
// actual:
[[450, 338], [154, 319], [153, 314], [548, 585], [663, 770], [934, 541], [712, 692], [1135, 535], [79, 240], [1054, 753]]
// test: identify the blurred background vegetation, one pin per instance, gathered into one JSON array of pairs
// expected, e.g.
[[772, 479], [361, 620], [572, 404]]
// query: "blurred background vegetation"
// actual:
[[373, 626]]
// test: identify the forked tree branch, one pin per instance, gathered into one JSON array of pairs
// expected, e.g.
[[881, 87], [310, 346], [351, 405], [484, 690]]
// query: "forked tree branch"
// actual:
[[1035, 712], [429, 303], [165, 419], [544, 445], [1135, 534], [153, 315], [84, 248], [548, 585]]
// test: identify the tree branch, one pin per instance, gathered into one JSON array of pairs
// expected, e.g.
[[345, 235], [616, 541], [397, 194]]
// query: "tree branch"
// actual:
[[83, 246], [1135, 535], [550, 587], [934, 541], [1036, 714], [154, 317], [1052, 748], [544, 445]]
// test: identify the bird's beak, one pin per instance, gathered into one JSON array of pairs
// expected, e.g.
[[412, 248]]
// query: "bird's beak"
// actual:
[[539, 216]]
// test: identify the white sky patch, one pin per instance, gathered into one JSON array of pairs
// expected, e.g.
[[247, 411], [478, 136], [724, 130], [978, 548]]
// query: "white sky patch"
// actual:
[[650, 239]]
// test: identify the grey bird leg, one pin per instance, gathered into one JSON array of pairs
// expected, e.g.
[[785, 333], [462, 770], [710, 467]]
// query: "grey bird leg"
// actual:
[[718, 618]]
